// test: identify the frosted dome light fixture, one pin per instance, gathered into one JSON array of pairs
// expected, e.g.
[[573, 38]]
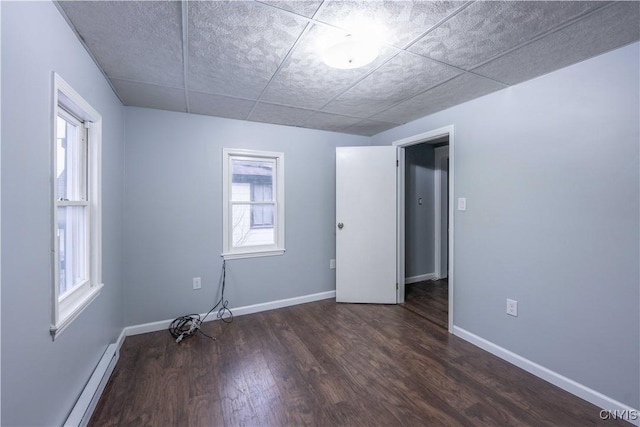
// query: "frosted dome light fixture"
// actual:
[[350, 52]]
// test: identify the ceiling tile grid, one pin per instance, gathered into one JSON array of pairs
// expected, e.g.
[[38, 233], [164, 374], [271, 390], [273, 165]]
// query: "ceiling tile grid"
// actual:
[[306, 81], [139, 41], [262, 60], [460, 89], [612, 27], [150, 96], [398, 79], [219, 105], [283, 115], [305, 8], [487, 28], [235, 47], [394, 22], [368, 127]]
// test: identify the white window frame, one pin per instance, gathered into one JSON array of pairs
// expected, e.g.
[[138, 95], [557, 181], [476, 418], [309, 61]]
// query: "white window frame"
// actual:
[[67, 308], [278, 248]]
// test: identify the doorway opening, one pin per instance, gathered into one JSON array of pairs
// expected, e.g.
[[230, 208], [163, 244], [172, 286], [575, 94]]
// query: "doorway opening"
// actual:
[[426, 230], [425, 225]]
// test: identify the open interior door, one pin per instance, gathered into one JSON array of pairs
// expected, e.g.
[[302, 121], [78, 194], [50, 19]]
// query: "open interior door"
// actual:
[[366, 229]]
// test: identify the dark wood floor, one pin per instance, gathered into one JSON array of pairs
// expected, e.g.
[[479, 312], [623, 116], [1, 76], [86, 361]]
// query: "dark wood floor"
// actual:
[[429, 299], [324, 363]]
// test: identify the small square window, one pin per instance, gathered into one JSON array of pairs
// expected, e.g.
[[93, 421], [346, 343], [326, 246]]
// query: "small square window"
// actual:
[[253, 203]]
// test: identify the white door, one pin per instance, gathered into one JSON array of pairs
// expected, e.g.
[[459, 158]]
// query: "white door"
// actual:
[[366, 229]]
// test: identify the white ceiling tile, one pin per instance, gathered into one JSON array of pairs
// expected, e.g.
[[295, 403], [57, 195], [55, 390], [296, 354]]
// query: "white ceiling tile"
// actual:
[[219, 106], [132, 40], [400, 78], [398, 22], [235, 47], [368, 127], [605, 30], [306, 81], [150, 96], [301, 7], [487, 28], [271, 113], [456, 91]]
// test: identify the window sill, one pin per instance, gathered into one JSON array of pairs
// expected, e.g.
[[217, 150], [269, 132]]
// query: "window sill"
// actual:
[[69, 311], [252, 254]]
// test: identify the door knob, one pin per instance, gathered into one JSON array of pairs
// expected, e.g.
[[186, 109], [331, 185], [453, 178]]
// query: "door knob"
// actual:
[[340, 225]]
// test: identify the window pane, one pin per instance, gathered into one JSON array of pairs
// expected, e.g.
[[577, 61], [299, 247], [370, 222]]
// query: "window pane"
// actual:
[[72, 247], [252, 180], [70, 162], [261, 216], [243, 232]]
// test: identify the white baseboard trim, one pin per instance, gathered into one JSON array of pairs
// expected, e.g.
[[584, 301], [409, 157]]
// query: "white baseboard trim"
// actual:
[[567, 384], [419, 278], [237, 311], [120, 340], [86, 403]]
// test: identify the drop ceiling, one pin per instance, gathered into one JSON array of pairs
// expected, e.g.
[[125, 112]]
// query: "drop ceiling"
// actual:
[[260, 60]]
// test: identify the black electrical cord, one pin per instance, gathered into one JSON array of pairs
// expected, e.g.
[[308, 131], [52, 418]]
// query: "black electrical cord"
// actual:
[[187, 326]]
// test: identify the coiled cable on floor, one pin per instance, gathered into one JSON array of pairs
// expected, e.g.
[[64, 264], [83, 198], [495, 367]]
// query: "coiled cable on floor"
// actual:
[[187, 326]]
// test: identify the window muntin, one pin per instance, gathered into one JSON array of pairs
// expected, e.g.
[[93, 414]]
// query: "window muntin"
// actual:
[[253, 199]]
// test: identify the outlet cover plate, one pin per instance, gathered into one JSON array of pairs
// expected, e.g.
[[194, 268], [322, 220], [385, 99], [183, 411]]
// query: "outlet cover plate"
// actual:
[[512, 307]]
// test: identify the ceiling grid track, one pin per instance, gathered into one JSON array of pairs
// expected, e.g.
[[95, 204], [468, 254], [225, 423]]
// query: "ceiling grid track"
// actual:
[[416, 95], [469, 71], [86, 48], [399, 51], [185, 51], [306, 29], [282, 63], [259, 61], [544, 34]]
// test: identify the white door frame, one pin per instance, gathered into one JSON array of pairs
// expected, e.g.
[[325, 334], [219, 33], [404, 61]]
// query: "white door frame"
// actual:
[[440, 153], [401, 145]]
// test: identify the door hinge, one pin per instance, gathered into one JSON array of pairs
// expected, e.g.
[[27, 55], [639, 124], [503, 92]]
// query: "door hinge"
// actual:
[[396, 286], [397, 163]]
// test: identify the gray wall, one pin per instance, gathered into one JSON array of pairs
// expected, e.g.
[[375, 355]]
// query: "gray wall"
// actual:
[[419, 219], [41, 379], [174, 213], [550, 171]]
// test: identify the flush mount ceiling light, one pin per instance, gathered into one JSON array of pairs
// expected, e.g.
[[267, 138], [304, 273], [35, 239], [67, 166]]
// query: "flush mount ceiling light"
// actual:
[[350, 52]]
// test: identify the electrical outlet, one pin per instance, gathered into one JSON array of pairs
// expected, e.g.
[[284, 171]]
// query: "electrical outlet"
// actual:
[[197, 283], [512, 307], [332, 264]]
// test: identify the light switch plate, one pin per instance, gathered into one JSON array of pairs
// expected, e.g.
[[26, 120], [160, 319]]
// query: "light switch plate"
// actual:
[[462, 204]]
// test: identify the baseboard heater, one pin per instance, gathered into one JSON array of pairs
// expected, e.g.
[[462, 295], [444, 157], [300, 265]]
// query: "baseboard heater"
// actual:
[[84, 407]]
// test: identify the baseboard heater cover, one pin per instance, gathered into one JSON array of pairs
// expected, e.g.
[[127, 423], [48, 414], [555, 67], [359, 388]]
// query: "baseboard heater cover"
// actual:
[[86, 404]]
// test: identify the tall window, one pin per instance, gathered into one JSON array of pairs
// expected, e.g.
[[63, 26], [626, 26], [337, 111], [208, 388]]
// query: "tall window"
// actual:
[[253, 196], [76, 205], [72, 203]]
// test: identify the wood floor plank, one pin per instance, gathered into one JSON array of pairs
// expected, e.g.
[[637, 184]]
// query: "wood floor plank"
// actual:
[[204, 410], [324, 363]]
